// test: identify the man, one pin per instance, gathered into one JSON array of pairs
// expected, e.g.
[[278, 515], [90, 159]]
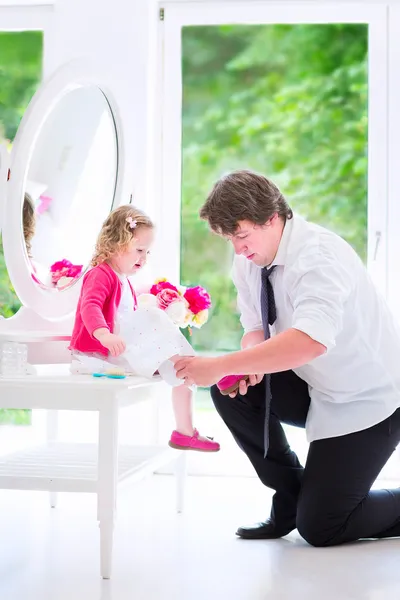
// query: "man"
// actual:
[[323, 352]]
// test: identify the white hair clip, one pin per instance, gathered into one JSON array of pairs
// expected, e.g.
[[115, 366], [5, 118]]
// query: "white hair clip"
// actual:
[[132, 222]]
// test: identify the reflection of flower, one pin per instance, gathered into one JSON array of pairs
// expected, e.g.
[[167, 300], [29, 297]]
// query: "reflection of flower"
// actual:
[[184, 307], [64, 269], [64, 282]]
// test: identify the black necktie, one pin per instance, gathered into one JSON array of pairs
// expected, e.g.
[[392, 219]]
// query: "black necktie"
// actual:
[[268, 313]]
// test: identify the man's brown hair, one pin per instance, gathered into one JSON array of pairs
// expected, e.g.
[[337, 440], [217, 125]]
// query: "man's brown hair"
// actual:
[[243, 196]]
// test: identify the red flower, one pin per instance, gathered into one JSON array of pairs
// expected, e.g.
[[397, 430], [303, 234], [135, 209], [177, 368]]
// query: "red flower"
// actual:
[[162, 285], [198, 299]]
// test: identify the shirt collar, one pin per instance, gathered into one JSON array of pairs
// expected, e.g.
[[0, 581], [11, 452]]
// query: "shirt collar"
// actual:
[[280, 256]]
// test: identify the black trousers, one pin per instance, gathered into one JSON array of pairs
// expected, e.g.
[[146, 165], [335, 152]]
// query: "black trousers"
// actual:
[[330, 500]]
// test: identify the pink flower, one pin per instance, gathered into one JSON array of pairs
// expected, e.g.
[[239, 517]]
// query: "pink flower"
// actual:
[[166, 297], [162, 285], [198, 299]]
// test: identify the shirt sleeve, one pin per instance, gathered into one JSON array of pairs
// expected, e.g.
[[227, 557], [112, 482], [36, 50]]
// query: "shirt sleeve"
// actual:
[[250, 317], [94, 293], [321, 286]]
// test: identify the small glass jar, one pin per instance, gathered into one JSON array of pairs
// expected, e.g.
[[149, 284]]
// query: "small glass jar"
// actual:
[[13, 360]]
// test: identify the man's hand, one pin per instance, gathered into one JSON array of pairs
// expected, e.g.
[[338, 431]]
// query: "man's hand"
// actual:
[[244, 385], [114, 343], [249, 340], [198, 370]]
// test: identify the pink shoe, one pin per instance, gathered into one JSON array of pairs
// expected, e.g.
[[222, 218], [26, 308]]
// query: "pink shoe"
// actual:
[[187, 442], [230, 383]]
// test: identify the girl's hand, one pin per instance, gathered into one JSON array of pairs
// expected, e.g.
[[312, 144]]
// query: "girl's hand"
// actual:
[[114, 343]]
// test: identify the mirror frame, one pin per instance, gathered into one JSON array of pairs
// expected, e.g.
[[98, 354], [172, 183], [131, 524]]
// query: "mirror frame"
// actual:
[[50, 304], [4, 166]]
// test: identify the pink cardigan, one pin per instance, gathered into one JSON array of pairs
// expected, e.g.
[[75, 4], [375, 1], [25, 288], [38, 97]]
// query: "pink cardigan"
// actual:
[[97, 307]]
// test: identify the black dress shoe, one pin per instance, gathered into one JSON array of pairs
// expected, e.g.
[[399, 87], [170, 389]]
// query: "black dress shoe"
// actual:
[[266, 530]]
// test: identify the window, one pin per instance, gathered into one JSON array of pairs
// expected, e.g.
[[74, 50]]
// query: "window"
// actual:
[[289, 101]]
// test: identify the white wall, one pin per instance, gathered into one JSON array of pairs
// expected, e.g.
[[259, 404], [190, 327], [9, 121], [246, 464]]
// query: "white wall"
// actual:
[[116, 34]]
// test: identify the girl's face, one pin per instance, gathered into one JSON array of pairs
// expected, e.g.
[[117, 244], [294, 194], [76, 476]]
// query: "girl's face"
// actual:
[[134, 257]]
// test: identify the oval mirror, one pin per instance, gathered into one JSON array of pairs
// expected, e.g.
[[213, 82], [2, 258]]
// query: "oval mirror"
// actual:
[[69, 187], [65, 175]]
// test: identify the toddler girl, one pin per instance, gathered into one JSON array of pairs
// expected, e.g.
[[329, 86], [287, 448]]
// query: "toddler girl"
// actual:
[[109, 325]]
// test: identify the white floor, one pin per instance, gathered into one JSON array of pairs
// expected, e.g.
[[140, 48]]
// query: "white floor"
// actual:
[[50, 554]]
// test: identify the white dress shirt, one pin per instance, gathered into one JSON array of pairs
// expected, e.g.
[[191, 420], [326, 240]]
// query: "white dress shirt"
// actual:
[[322, 288]]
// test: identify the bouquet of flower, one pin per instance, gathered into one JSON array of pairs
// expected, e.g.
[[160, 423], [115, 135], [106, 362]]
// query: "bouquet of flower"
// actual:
[[186, 307], [64, 272]]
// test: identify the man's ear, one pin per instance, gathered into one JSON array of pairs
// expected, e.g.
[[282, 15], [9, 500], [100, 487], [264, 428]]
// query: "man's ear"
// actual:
[[272, 220]]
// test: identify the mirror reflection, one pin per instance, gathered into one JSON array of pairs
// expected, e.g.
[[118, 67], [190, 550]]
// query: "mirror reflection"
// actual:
[[69, 187]]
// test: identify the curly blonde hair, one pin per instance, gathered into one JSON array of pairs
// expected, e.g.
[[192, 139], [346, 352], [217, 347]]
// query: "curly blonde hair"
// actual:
[[28, 222], [116, 232]]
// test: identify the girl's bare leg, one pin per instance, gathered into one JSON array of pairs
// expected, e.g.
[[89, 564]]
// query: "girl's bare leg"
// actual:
[[182, 402]]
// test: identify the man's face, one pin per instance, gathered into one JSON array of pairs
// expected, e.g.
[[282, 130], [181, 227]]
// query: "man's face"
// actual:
[[258, 243]]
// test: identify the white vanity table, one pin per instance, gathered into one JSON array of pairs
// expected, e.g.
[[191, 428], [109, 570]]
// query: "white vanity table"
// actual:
[[69, 149]]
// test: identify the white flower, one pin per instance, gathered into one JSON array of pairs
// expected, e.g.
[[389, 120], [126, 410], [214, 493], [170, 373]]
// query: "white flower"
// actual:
[[146, 300], [177, 313], [199, 319]]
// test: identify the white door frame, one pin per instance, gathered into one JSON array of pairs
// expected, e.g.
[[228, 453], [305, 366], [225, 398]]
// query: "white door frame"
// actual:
[[393, 243], [181, 14], [35, 17]]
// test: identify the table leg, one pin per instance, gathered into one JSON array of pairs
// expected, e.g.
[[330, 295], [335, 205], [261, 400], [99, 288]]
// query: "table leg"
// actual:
[[107, 483], [180, 475], [52, 435]]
